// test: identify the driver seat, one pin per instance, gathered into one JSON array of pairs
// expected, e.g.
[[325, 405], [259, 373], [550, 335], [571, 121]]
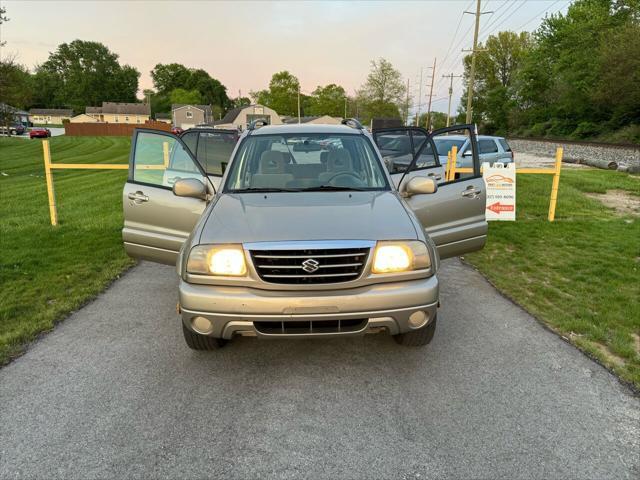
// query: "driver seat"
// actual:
[[338, 161]]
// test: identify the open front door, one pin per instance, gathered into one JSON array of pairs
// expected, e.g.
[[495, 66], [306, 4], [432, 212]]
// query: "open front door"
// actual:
[[454, 216], [157, 222]]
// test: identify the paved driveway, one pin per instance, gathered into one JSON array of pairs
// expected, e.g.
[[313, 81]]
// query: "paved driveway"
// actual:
[[113, 393]]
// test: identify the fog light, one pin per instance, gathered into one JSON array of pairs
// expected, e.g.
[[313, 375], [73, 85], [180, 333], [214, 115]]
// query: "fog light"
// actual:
[[202, 325], [418, 319]]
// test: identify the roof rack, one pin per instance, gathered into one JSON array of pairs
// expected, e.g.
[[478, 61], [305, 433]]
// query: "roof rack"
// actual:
[[260, 122], [353, 123]]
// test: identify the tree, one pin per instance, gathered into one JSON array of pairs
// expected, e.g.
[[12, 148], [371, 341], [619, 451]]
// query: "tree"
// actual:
[[383, 92], [15, 89], [241, 102], [282, 94], [327, 100], [167, 78], [497, 65], [3, 19], [83, 73], [188, 97]]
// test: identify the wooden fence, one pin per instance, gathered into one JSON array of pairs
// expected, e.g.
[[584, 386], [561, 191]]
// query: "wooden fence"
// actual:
[[112, 129]]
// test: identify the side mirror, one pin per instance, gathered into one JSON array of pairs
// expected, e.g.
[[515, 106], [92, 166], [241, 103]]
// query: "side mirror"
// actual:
[[420, 185], [190, 187]]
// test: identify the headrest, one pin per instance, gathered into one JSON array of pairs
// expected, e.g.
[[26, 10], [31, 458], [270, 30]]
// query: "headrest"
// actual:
[[339, 160], [271, 162]]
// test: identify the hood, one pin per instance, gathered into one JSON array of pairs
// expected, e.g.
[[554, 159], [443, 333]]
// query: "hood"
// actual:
[[289, 216]]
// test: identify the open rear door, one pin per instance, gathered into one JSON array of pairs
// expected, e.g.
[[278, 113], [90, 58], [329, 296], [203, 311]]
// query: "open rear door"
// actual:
[[454, 216]]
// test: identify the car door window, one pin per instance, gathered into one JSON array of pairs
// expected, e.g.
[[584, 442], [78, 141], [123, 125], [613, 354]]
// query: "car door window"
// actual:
[[399, 146], [214, 151], [487, 146], [159, 160]]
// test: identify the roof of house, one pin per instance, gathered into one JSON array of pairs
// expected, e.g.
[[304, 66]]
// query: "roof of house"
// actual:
[[8, 108], [204, 108], [121, 108], [63, 112], [232, 114]]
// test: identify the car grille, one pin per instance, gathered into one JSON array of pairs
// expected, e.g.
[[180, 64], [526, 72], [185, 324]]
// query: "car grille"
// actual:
[[310, 266], [294, 327]]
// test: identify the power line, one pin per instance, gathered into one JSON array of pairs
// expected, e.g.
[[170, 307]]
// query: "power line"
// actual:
[[546, 10]]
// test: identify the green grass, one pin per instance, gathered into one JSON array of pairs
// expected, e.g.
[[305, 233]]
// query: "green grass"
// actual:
[[47, 272], [580, 274]]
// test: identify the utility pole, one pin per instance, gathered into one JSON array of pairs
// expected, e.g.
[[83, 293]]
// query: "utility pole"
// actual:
[[475, 50], [433, 76], [451, 76], [419, 99], [407, 106], [298, 103], [345, 106]]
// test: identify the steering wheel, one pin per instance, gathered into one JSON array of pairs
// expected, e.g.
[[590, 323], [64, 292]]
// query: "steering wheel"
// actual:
[[345, 174]]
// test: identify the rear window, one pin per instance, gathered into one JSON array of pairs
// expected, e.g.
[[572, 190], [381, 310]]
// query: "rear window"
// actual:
[[505, 145]]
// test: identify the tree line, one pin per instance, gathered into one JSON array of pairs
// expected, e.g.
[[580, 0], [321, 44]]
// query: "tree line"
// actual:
[[576, 76]]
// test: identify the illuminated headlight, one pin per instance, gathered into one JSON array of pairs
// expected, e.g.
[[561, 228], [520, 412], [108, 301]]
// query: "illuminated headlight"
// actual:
[[227, 260], [395, 256]]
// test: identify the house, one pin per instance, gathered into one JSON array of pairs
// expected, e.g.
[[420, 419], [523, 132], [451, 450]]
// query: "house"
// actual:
[[84, 118], [112, 112], [188, 116], [50, 116], [324, 120], [19, 116], [163, 117], [239, 118]]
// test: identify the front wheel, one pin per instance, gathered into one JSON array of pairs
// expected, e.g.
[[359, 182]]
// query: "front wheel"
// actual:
[[419, 337], [195, 341]]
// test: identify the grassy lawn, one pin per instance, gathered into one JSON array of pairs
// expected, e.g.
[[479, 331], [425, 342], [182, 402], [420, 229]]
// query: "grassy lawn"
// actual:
[[581, 274], [47, 272]]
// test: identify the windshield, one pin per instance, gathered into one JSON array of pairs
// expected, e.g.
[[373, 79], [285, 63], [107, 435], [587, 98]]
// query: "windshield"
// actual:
[[308, 162], [445, 145]]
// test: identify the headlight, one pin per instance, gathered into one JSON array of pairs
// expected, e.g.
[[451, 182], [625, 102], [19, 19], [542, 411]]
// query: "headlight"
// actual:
[[227, 260], [394, 256]]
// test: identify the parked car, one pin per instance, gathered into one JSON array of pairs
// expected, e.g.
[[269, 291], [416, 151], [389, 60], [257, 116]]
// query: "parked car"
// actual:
[[39, 132], [283, 244], [395, 149], [177, 131], [491, 149], [16, 129]]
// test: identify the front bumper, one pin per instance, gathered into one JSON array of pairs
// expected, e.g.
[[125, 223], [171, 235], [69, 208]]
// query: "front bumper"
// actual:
[[246, 311]]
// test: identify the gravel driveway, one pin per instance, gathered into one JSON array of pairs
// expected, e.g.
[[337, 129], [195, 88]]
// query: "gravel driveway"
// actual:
[[114, 393]]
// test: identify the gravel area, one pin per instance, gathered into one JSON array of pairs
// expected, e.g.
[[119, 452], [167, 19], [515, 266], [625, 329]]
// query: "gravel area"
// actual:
[[627, 158]]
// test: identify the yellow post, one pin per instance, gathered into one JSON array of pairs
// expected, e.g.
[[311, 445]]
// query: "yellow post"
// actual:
[[165, 154], [53, 212], [555, 185], [446, 170], [454, 158]]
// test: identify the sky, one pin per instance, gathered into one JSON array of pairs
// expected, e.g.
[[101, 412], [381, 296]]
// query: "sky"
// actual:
[[243, 43]]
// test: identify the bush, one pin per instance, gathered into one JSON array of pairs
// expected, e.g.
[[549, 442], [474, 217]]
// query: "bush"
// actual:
[[586, 130]]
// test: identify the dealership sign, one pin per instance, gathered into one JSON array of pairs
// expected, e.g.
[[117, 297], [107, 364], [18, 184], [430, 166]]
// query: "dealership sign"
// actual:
[[500, 182]]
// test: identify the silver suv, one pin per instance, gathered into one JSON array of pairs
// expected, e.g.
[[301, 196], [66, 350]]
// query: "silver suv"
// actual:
[[301, 232]]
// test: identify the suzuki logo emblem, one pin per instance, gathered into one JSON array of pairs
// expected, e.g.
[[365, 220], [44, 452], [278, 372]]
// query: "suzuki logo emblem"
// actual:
[[310, 265]]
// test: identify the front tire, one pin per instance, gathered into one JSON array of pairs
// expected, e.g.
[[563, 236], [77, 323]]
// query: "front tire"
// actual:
[[419, 337], [195, 341]]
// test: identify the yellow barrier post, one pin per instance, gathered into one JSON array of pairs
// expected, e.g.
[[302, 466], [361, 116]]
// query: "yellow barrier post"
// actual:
[[555, 185], [53, 212], [165, 154], [446, 170], [454, 159]]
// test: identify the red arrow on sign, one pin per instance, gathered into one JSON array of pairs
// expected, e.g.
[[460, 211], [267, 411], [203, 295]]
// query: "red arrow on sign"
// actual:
[[499, 207]]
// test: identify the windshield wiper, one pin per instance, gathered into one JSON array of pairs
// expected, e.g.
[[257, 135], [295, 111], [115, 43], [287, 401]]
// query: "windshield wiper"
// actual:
[[334, 188], [264, 190]]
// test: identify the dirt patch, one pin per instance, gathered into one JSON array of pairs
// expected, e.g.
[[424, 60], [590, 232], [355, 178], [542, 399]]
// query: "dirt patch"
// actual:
[[636, 342], [620, 200], [612, 357]]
